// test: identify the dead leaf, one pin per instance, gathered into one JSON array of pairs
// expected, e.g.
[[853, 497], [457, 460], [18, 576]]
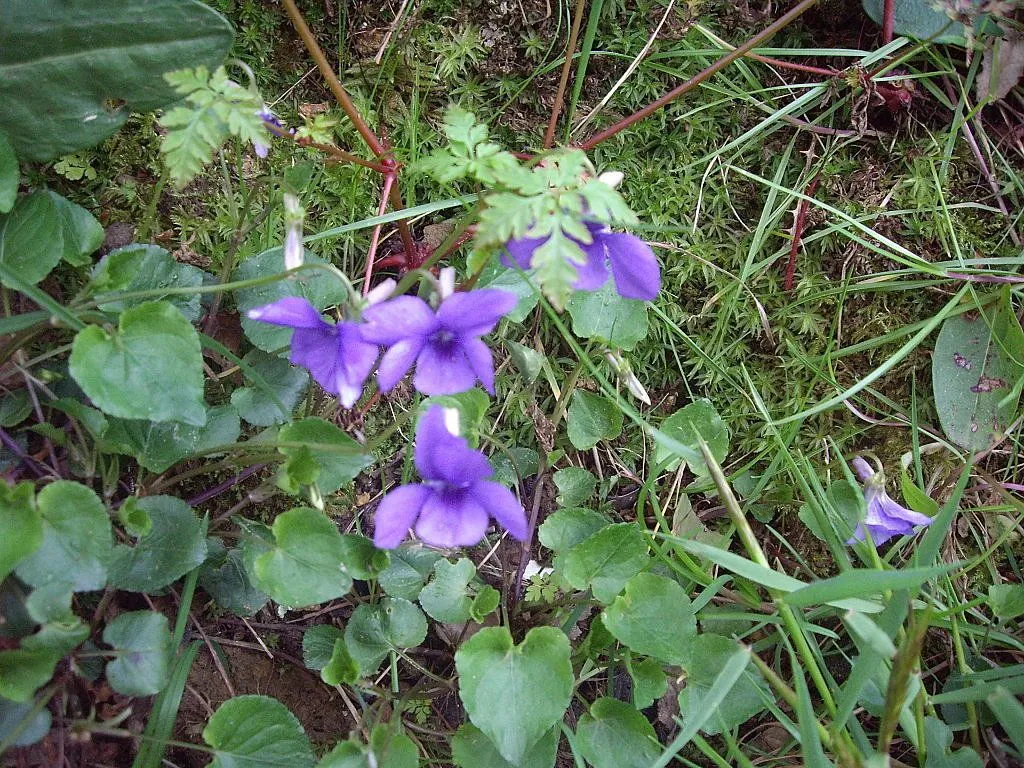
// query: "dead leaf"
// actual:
[[1002, 66]]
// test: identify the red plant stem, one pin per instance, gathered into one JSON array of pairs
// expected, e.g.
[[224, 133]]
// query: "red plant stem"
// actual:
[[403, 226], [799, 221], [782, 64], [570, 49], [759, 39], [327, 149], [888, 20], [371, 255]]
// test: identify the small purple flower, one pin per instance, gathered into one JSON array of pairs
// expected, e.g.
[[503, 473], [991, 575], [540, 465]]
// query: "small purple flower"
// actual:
[[337, 356], [445, 345], [885, 517], [271, 121], [633, 264], [454, 504]]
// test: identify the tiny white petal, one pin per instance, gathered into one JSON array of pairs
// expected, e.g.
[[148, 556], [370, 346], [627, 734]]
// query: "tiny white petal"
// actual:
[[447, 282], [293, 250], [381, 292], [451, 420], [612, 178]]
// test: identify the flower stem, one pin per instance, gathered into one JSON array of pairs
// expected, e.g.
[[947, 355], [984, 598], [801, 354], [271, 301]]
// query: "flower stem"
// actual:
[[563, 81]]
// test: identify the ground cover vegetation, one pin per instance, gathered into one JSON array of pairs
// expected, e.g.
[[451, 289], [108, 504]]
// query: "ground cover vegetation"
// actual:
[[511, 383]]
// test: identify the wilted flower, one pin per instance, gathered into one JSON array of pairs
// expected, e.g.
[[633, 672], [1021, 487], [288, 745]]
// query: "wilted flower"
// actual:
[[445, 345], [885, 518], [454, 504], [633, 264], [337, 356], [294, 213]]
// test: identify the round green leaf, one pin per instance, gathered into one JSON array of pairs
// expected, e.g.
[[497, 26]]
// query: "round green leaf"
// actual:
[[614, 735], [21, 523], [408, 571], [175, 544], [145, 268], [1006, 600], [373, 631], [388, 748], [274, 396], [748, 696], [575, 486], [142, 641], [691, 423], [31, 235], [319, 287], [77, 539], [592, 418], [486, 602], [568, 527], [9, 175], [649, 682], [605, 316], [341, 667], [83, 234], [305, 565], [318, 645], [605, 561], [920, 19], [447, 597], [160, 445], [471, 749], [337, 457], [653, 617], [227, 581], [70, 76], [515, 694], [150, 368], [252, 731], [23, 671]]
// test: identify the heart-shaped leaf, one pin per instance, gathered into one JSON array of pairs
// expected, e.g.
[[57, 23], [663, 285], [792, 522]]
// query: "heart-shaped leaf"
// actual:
[[654, 617], [142, 641], [174, 545], [373, 631], [615, 735], [247, 731]]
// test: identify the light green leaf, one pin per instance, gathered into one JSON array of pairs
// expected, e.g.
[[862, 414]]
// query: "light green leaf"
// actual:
[[31, 235], [373, 631], [272, 400], [691, 423], [77, 539], [150, 368], [145, 268], [592, 418], [24, 671], [252, 731], [21, 523], [515, 465], [68, 80], [862, 581], [9, 175], [362, 560], [568, 527], [575, 486], [472, 749], [472, 406], [447, 597], [605, 316], [938, 737], [175, 545], [496, 275], [341, 667], [142, 640], [160, 445], [485, 603], [527, 360], [82, 233], [388, 748], [649, 682], [614, 735], [304, 568], [515, 694], [653, 617], [606, 560], [748, 696], [318, 645], [1006, 600], [319, 287], [338, 457], [1010, 712], [408, 571]]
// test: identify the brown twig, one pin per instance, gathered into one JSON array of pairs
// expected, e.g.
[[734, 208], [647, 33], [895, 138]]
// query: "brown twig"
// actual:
[[799, 221], [760, 38], [563, 81]]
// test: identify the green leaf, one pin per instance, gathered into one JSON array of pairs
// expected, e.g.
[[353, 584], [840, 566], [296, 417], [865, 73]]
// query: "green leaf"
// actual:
[[271, 399], [919, 19], [251, 731], [862, 581], [21, 523], [447, 597], [373, 631], [472, 406], [916, 499], [568, 527], [1006, 600], [319, 287], [24, 671], [614, 735], [649, 682], [388, 748], [175, 545], [9, 176], [12, 715], [362, 560], [496, 275], [971, 377], [592, 418], [50, 602], [938, 736], [709, 655], [150, 368], [691, 423], [82, 233], [515, 694], [653, 617], [70, 79], [341, 667], [227, 581], [605, 316], [408, 571], [575, 486], [77, 539], [516, 464], [472, 749], [142, 641], [338, 457], [15, 408], [527, 360], [605, 561], [318, 645], [160, 445], [1010, 713], [145, 268], [485, 603], [304, 567], [31, 235]]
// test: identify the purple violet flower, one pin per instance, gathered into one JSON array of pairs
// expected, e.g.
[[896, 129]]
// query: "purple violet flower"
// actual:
[[445, 345], [633, 264], [885, 517], [337, 356], [454, 504]]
